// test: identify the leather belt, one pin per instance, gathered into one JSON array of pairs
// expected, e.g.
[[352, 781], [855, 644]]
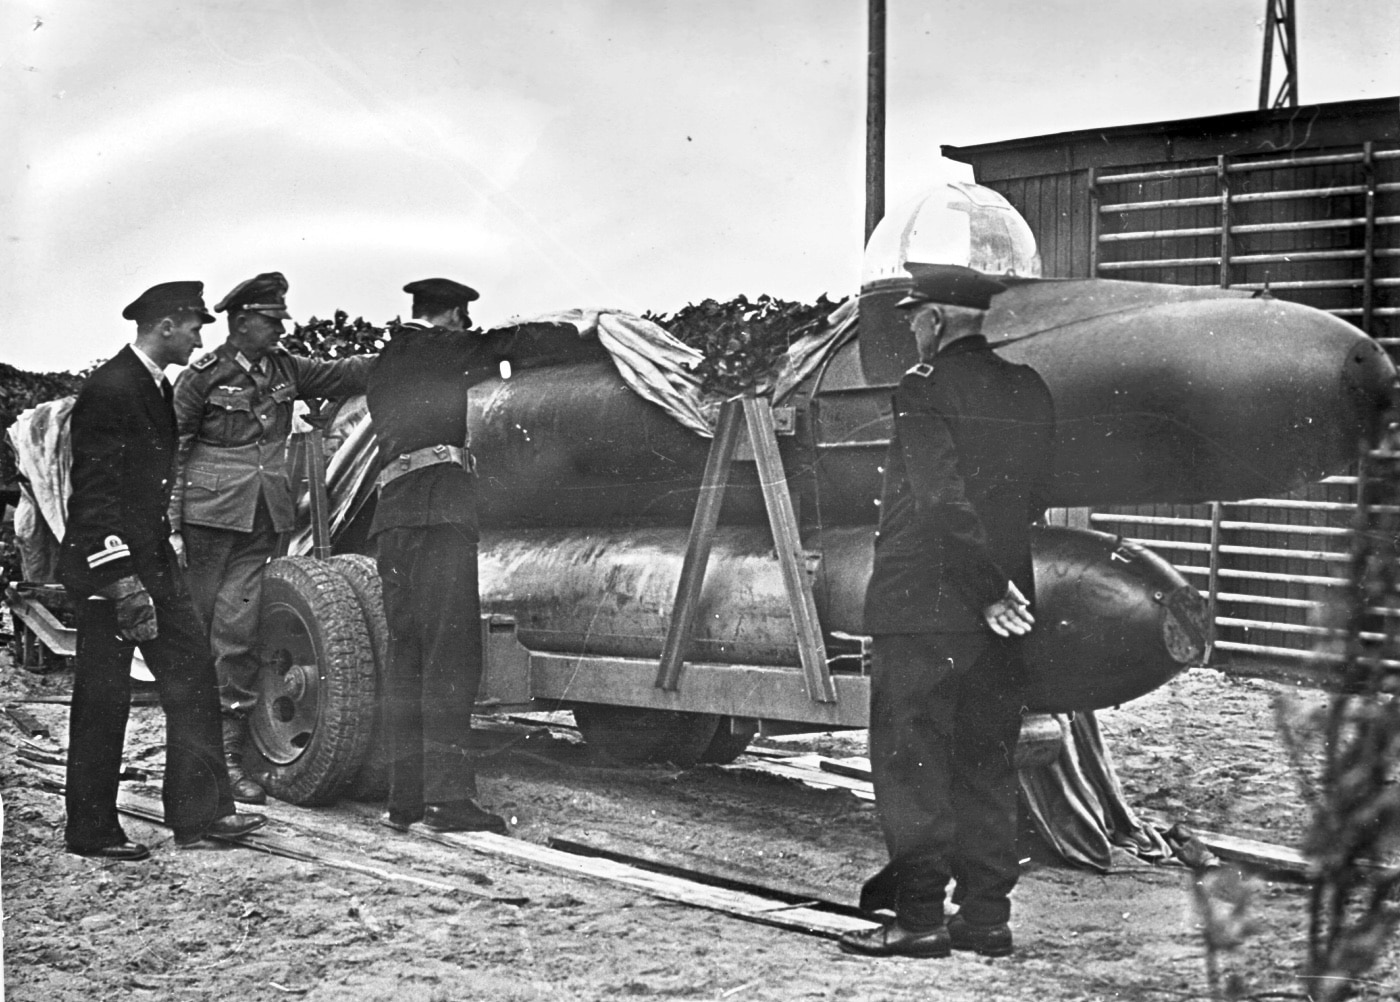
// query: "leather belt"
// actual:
[[429, 455]]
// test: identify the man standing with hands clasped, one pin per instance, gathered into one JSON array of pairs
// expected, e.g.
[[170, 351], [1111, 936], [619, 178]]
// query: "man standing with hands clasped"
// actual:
[[951, 592], [119, 568]]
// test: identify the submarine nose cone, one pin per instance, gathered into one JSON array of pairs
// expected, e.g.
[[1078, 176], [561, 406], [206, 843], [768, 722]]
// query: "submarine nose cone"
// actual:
[[1368, 380]]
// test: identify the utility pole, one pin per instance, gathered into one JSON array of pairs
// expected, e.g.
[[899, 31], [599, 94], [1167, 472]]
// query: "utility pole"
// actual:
[[1279, 21], [875, 119]]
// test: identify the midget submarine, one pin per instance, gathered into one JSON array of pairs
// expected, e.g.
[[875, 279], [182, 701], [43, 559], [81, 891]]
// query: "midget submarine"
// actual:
[[1162, 394]]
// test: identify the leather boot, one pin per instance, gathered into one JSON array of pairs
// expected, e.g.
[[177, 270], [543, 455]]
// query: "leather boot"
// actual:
[[245, 790]]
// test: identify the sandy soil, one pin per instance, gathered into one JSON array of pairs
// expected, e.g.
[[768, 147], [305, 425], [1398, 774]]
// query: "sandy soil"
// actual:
[[222, 924]]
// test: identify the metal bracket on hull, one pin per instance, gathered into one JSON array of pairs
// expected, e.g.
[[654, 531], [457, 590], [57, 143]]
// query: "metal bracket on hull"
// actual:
[[755, 413]]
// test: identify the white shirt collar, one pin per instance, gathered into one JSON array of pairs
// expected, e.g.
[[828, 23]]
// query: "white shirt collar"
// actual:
[[157, 373]]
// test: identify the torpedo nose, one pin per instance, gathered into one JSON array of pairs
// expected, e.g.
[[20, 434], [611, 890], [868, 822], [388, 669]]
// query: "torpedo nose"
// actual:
[[1368, 380]]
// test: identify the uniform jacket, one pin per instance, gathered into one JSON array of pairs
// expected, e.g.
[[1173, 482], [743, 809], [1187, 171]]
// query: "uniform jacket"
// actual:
[[417, 397], [123, 442], [233, 426], [968, 471]]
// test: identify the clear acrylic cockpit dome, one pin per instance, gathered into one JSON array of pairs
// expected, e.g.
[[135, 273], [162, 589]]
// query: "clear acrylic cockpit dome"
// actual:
[[954, 223]]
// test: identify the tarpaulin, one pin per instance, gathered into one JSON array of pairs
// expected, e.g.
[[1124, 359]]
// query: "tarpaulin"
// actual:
[[39, 438]]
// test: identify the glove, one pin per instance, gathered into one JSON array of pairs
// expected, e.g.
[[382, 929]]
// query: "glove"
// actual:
[[136, 613]]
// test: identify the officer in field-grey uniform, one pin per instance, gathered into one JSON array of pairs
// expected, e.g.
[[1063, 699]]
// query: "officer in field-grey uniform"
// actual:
[[232, 495]]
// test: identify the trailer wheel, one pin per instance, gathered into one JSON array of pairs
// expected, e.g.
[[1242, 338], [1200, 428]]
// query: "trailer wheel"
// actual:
[[311, 727], [630, 735], [732, 736], [362, 574]]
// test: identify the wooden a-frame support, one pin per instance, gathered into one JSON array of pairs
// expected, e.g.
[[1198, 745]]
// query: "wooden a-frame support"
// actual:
[[755, 413]]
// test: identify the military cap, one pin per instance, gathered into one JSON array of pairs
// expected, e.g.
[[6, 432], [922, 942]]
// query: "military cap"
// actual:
[[952, 284], [265, 294], [168, 299], [441, 292]]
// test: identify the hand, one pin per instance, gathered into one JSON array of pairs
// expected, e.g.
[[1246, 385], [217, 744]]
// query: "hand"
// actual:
[[177, 543], [136, 613], [1010, 614]]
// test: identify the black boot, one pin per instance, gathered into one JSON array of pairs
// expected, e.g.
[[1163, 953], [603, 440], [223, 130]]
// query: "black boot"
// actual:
[[245, 790]]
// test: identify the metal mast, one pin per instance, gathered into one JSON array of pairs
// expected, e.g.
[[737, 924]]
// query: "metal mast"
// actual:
[[875, 119], [1280, 21]]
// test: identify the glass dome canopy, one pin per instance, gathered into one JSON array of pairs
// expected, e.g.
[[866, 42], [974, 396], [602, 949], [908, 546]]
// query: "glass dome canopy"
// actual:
[[954, 223]]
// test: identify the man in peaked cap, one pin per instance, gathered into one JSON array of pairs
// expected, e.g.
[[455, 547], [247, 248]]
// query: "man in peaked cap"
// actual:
[[950, 594], [232, 494], [425, 528], [117, 564]]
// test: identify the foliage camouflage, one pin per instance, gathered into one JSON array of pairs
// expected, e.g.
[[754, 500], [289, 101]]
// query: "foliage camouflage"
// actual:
[[742, 341]]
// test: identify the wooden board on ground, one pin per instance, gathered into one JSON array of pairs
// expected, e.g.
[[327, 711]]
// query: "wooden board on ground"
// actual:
[[803, 768], [695, 866], [148, 809], [751, 907]]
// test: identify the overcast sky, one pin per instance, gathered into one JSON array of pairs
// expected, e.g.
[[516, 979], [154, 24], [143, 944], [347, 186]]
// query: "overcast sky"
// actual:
[[553, 153]]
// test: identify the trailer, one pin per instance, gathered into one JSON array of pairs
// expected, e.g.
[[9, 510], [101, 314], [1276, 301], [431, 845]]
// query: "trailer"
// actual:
[[680, 592]]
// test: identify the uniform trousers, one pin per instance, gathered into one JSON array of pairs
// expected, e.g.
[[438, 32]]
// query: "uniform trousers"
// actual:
[[196, 788], [433, 610], [945, 716], [225, 572]]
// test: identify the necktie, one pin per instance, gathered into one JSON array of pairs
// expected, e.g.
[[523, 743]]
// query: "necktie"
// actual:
[[167, 391]]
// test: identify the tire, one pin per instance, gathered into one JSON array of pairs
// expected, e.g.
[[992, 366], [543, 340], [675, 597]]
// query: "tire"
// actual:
[[362, 574], [732, 736], [311, 728], [631, 735]]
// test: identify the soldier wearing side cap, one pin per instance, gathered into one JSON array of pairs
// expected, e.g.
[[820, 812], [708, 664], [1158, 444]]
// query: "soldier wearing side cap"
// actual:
[[967, 474], [232, 494], [117, 565], [425, 526]]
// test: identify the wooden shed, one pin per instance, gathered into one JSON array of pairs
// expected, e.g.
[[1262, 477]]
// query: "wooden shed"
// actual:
[[1302, 202]]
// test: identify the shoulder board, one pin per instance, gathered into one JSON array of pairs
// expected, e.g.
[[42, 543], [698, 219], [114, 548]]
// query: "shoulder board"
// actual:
[[204, 361], [923, 369]]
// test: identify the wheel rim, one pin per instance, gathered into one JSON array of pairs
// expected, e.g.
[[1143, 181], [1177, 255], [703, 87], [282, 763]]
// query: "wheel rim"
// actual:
[[289, 686]]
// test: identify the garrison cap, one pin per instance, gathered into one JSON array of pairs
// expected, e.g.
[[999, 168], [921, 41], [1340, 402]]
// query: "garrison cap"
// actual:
[[168, 299], [265, 294], [953, 284], [441, 292]]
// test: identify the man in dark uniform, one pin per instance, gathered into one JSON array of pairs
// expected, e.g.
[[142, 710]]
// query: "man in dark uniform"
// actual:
[[967, 473], [425, 524], [232, 495], [119, 568]]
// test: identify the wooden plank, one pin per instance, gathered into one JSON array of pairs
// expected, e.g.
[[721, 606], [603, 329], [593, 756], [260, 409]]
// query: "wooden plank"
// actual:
[[746, 906], [26, 722], [150, 810], [698, 545], [806, 773], [697, 867], [1245, 850], [787, 543]]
